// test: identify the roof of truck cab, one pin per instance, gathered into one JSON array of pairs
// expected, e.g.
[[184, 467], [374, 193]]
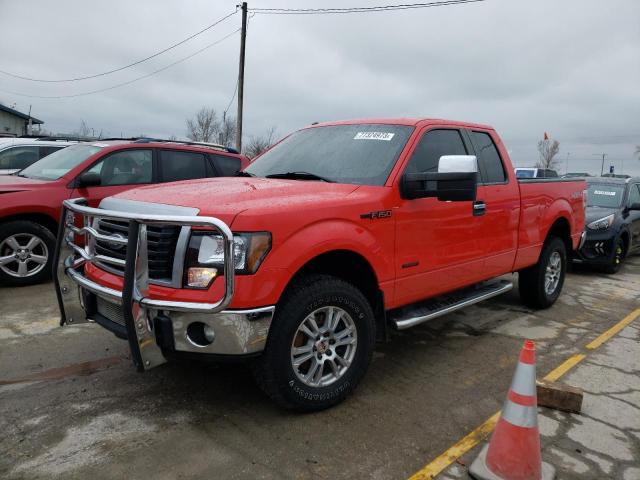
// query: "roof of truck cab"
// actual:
[[413, 122]]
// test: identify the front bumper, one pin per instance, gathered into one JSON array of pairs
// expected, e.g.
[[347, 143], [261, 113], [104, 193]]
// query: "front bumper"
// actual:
[[154, 328], [596, 249]]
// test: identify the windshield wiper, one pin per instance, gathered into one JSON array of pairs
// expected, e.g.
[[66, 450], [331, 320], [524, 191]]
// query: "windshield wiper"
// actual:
[[299, 176], [244, 174]]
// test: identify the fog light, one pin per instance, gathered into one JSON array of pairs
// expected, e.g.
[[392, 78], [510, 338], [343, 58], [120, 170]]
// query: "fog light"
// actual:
[[199, 277], [200, 334]]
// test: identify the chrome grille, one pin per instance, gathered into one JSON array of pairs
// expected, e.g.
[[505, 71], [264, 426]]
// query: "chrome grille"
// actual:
[[110, 311], [161, 247]]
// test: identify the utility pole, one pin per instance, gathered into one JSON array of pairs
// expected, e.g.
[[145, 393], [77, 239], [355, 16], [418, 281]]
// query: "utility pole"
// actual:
[[602, 167], [243, 38]]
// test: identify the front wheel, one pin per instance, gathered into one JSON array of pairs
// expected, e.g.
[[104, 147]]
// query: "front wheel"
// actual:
[[320, 344], [26, 252], [540, 285], [618, 257]]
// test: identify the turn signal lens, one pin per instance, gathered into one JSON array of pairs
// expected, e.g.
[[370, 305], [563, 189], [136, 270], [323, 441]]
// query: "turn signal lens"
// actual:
[[199, 277]]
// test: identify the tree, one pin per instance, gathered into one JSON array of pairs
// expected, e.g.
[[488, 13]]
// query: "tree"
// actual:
[[204, 126], [548, 149], [258, 144], [207, 127], [638, 151]]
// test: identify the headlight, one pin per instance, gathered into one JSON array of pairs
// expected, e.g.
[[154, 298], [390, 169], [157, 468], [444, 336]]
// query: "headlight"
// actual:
[[205, 256], [602, 223]]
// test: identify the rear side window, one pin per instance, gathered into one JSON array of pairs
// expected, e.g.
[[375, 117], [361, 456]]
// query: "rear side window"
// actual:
[[44, 151], [18, 157], [176, 165], [433, 145], [489, 158], [226, 166]]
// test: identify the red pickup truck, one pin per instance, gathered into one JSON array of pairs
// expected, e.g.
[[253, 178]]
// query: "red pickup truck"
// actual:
[[31, 200], [336, 233]]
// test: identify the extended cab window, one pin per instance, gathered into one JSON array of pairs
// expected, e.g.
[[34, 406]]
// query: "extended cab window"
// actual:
[[488, 158], [127, 167], [433, 145], [175, 165]]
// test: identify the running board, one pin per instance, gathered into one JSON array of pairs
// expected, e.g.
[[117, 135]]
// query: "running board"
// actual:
[[411, 316]]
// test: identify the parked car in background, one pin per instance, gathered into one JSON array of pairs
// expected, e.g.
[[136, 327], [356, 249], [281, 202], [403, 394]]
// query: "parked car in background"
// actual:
[[327, 238], [613, 222], [535, 173], [19, 153], [575, 175], [31, 200]]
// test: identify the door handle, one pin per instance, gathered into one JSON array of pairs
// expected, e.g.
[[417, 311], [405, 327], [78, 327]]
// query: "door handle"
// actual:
[[479, 208]]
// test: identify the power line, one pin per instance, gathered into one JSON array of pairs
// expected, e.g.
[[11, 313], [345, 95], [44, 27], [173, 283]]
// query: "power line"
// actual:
[[87, 77], [381, 8], [130, 81]]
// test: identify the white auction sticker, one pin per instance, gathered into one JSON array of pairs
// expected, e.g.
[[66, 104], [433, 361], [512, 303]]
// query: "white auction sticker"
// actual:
[[603, 192], [386, 136]]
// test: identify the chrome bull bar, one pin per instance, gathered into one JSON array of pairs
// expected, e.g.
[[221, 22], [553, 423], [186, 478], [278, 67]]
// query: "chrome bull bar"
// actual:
[[70, 258]]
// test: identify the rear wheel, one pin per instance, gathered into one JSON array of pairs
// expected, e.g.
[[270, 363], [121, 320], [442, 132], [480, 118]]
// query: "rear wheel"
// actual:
[[618, 257], [26, 250], [320, 344], [540, 285]]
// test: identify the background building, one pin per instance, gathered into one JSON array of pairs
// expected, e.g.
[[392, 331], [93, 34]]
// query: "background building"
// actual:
[[15, 123]]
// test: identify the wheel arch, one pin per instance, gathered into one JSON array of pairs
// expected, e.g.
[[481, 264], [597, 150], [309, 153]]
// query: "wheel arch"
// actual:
[[42, 219], [561, 228]]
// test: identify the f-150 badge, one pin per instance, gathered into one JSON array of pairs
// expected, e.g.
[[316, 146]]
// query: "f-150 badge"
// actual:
[[378, 214]]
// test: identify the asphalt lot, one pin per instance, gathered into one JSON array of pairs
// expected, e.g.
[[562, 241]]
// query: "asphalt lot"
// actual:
[[72, 405]]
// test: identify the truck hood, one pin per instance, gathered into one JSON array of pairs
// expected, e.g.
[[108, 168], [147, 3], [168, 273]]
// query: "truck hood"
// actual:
[[226, 197], [13, 183]]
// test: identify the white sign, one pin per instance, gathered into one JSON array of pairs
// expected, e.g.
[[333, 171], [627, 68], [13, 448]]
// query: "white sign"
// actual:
[[602, 192], [386, 136]]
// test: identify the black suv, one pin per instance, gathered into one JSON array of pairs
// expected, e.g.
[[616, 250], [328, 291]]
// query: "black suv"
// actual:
[[613, 222]]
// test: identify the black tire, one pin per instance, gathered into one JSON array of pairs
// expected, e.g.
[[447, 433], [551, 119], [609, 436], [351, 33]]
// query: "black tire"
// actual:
[[619, 253], [531, 281], [22, 230], [274, 371]]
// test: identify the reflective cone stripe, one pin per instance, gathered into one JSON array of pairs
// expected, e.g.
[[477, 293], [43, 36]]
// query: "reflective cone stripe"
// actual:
[[514, 450]]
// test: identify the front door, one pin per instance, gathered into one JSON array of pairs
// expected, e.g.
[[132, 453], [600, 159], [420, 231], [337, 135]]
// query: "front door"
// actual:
[[438, 245], [634, 224]]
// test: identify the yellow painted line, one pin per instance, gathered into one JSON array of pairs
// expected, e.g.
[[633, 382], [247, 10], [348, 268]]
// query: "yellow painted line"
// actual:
[[614, 330], [459, 449], [564, 367], [442, 461]]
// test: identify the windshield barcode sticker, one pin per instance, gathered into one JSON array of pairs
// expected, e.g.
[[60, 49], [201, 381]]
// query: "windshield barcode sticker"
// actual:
[[386, 136], [602, 192]]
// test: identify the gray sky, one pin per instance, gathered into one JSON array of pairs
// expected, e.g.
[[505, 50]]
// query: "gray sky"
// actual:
[[570, 68]]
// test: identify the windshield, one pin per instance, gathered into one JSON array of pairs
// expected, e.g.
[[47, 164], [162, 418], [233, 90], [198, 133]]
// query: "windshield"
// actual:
[[59, 163], [524, 173], [362, 154], [605, 195]]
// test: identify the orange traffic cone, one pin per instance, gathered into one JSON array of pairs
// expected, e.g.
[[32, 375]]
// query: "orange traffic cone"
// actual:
[[514, 450]]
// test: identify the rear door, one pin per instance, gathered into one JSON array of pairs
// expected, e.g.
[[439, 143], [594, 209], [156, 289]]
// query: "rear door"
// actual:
[[634, 216], [438, 244], [175, 165], [499, 194], [119, 171]]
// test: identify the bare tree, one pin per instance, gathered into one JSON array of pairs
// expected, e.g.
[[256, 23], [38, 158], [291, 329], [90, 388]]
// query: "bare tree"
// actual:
[[204, 126], [548, 149], [84, 129], [260, 143], [638, 151], [227, 132]]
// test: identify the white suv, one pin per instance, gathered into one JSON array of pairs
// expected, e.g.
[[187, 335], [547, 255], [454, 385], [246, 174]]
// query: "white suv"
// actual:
[[19, 153]]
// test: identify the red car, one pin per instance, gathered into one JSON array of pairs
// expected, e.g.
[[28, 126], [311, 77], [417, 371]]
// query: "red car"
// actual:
[[338, 232], [31, 200]]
